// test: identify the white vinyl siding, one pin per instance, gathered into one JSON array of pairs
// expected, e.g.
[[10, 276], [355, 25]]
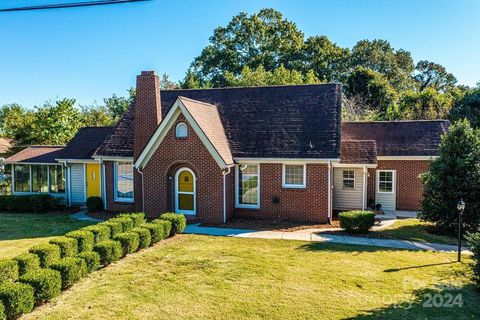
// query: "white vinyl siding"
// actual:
[[347, 198], [386, 199], [77, 192]]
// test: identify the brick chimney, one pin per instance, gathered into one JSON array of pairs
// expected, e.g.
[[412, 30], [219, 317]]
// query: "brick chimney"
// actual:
[[148, 110]]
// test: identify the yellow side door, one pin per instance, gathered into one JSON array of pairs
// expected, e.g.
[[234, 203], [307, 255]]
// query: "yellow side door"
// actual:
[[93, 180]]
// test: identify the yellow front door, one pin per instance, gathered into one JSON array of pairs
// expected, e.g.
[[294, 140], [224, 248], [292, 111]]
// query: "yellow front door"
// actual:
[[93, 180]]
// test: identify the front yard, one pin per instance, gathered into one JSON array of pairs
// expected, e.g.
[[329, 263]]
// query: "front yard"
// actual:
[[230, 278]]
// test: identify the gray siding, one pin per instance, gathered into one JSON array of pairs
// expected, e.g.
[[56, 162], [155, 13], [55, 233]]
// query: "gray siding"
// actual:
[[77, 192], [347, 198]]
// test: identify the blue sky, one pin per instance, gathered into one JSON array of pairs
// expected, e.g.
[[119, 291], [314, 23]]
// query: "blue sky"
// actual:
[[91, 53]]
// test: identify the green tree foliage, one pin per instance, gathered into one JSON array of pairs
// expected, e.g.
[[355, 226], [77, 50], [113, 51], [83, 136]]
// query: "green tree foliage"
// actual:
[[431, 74], [468, 107], [96, 116], [116, 105], [17, 123], [261, 77], [454, 175], [426, 104]]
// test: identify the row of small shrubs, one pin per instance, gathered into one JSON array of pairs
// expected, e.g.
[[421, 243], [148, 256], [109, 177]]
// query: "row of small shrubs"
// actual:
[[38, 203], [39, 275], [356, 221]]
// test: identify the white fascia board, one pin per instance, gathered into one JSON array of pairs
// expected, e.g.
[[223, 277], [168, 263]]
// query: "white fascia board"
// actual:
[[353, 165], [426, 158], [107, 158], [284, 160], [33, 163], [78, 160]]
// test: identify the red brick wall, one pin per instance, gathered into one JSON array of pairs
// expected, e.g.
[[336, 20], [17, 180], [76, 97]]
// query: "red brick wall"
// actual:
[[109, 188], [409, 186], [309, 204]]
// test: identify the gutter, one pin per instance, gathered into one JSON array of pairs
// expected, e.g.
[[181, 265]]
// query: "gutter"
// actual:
[[224, 174]]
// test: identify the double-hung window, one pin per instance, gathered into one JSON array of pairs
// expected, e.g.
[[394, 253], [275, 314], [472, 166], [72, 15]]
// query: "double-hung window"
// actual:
[[124, 181], [348, 179], [294, 176], [248, 186]]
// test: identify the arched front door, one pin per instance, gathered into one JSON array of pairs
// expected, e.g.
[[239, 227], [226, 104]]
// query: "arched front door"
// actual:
[[185, 201]]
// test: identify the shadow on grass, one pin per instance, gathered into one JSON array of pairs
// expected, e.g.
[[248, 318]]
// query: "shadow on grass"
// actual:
[[421, 266], [342, 247], [418, 233], [441, 302]]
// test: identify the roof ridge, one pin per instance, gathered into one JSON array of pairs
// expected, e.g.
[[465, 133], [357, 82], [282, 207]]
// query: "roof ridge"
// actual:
[[255, 87], [397, 121]]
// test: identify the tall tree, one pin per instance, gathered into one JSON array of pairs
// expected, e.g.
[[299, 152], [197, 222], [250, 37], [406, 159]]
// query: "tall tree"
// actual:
[[95, 116], [427, 104], [166, 83], [468, 107], [261, 77], [17, 123], [430, 74], [116, 105]]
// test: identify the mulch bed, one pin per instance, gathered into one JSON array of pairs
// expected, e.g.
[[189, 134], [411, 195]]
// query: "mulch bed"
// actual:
[[273, 225]]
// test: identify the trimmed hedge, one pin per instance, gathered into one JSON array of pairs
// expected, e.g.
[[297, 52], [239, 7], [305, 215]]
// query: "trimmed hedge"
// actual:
[[145, 238], [30, 203], [137, 217], [85, 239], [109, 251], [127, 223], [357, 221], [46, 284], [92, 260], [116, 227], [94, 204], [8, 270], [129, 242], [179, 222], [47, 253], [27, 262], [156, 231], [71, 270], [166, 225], [18, 298], [100, 232], [68, 246]]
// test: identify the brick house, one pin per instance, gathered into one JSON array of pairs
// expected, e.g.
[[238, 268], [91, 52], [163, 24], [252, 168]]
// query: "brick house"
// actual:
[[277, 152]]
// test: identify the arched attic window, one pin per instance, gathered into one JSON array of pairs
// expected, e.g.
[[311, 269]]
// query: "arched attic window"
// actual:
[[181, 130]]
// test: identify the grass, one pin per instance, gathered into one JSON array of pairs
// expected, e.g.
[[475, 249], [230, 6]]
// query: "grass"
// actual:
[[415, 230], [20, 231]]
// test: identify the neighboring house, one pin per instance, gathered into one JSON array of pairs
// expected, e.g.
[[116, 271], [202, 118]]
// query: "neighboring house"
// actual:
[[269, 152]]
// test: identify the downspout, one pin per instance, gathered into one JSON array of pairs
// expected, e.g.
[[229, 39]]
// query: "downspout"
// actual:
[[224, 174], [329, 217], [104, 184], [364, 187], [143, 190], [67, 183]]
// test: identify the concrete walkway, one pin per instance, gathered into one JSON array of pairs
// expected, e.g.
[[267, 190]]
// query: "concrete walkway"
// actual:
[[308, 235], [82, 216]]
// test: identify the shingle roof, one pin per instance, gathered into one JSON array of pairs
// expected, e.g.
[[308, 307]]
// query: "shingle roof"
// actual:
[[280, 121], [85, 142], [208, 119], [399, 138], [37, 154], [358, 151]]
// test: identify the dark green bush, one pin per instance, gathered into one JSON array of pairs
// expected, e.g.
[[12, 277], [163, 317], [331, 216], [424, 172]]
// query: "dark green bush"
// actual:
[[137, 217], [116, 227], [166, 225], [179, 222], [92, 260], [156, 231], [473, 240], [100, 232], [30, 203], [129, 241], [357, 221], [68, 246], [8, 270], [48, 253], [3, 312], [127, 223], [71, 270], [46, 283], [144, 237], [85, 239], [27, 262], [18, 298], [94, 204], [109, 251]]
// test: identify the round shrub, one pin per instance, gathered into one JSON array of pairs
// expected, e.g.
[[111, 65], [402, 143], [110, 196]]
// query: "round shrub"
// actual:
[[166, 225], [145, 239], [94, 204], [116, 227], [137, 217], [357, 221], [127, 223], [71, 270], [156, 231], [92, 260], [48, 253], [129, 242], [46, 283], [85, 239], [3, 313], [27, 262], [17, 298], [68, 246], [179, 222], [8, 270], [100, 232], [109, 251]]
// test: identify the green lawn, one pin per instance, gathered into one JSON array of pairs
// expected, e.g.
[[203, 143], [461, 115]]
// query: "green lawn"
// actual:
[[20, 231], [415, 230]]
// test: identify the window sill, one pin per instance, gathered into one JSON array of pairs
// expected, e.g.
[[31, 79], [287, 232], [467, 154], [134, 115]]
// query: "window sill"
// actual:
[[243, 206], [123, 200], [287, 186]]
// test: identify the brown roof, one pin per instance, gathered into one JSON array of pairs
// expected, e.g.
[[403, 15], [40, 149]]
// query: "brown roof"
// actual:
[[358, 152], [301, 121], [208, 119], [37, 154], [5, 145], [399, 138], [85, 142]]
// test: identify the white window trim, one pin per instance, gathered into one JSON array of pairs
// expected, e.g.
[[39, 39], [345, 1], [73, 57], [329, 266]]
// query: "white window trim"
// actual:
[[349, 179], [194, 193], [177, 127], [294, 186], [393, 182], [115, 199], [241, 205]]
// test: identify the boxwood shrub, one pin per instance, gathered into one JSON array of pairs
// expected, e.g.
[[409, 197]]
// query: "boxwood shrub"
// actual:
[[156, 231], [47, 253], [27, 262], [179, 222], [17, 298], [116, 227], [85, 239], [357, 221], [68, 246], [129, 242], [145, 239], [29, 203], [46, 283], [100, 232], [166, 225], [127, 223], [109, 251], [8, 270], [94, 204], [71, 270], [92, 260], [137, 217]]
